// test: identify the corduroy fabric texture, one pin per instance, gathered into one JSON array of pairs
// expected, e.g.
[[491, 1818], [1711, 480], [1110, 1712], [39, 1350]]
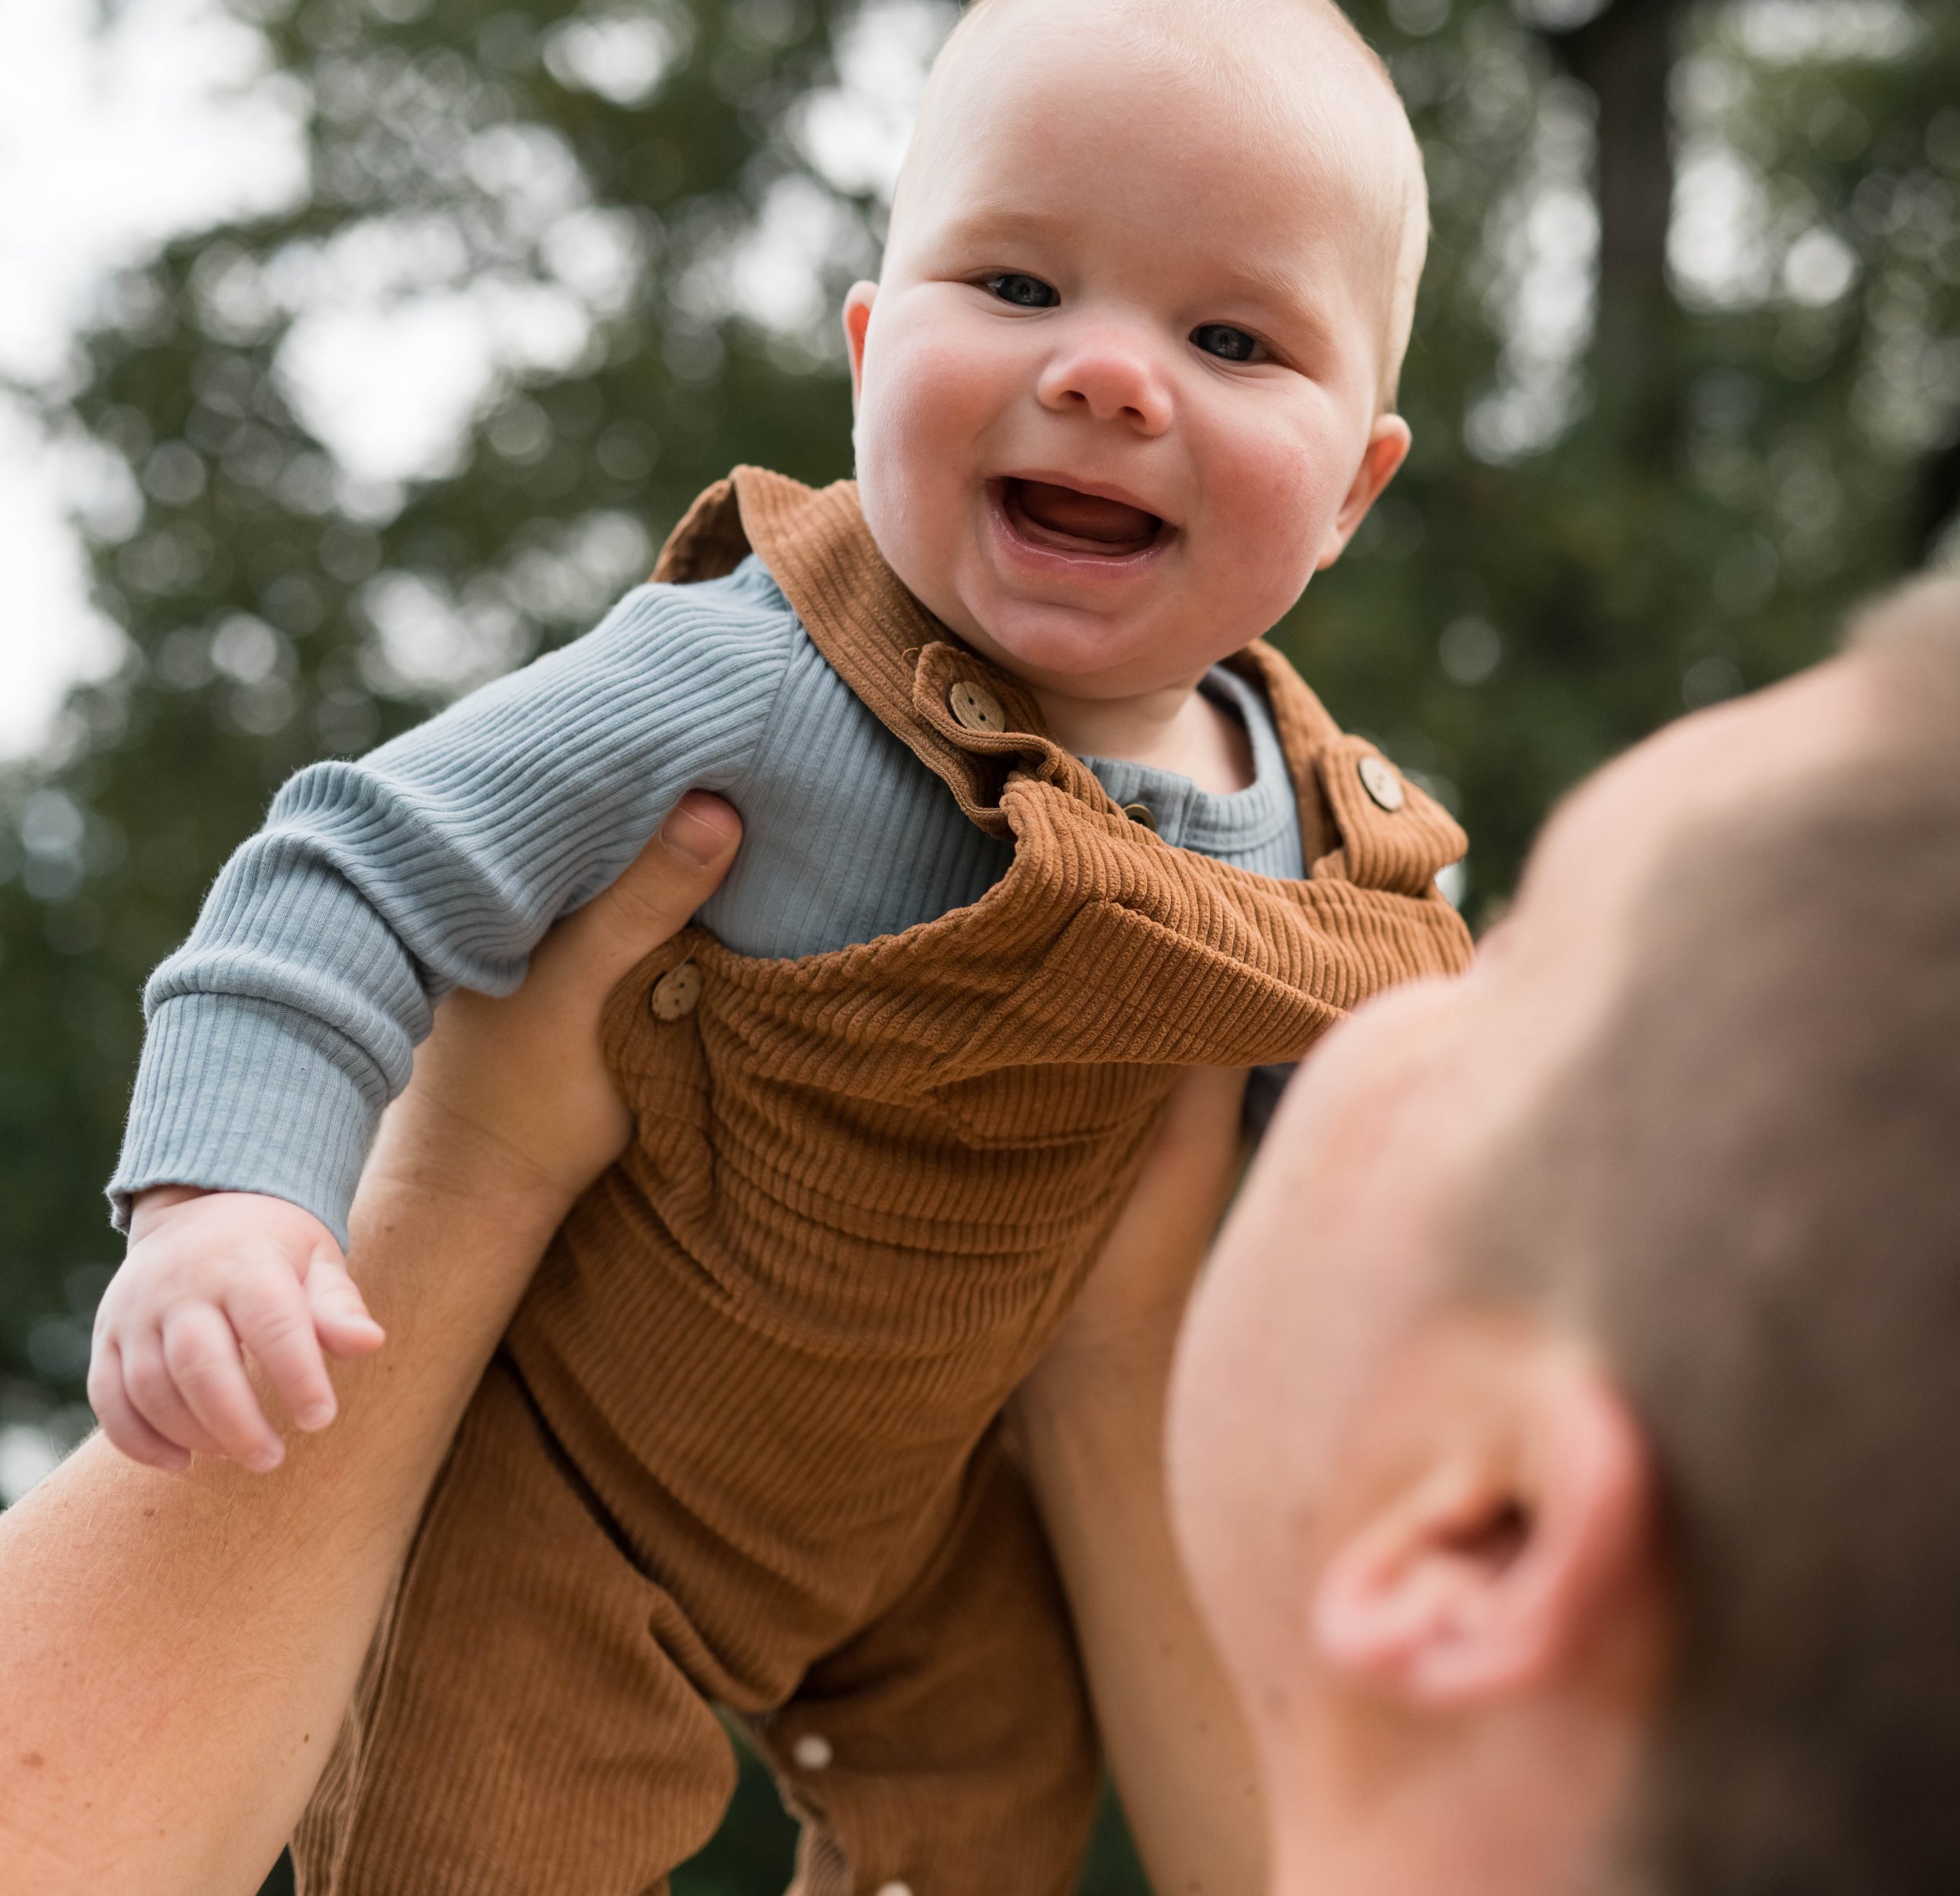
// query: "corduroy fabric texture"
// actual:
[[740, 1451]]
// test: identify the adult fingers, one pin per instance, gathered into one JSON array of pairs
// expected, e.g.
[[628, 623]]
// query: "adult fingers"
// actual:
[[270, 1312], [125, 1428], [154, 1396], [202, 1353], [527, 1074], [701, 833], [341, 1318], [656, 895]]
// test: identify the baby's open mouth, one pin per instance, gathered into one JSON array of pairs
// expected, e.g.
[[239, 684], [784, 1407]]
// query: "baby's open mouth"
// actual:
[[1070, 522]]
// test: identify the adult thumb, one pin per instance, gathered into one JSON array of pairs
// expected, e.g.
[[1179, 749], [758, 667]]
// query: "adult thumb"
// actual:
[[701, 833], [659, 890]]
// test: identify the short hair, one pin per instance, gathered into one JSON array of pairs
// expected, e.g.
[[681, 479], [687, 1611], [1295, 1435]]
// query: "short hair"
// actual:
[[1404, 185], [1749, 1186]]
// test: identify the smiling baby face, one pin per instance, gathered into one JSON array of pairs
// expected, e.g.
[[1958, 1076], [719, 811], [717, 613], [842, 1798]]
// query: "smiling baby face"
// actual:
[[1124, 385]]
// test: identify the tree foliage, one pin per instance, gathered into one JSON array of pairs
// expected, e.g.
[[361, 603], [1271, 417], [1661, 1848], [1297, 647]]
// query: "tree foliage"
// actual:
[[1684, 383]]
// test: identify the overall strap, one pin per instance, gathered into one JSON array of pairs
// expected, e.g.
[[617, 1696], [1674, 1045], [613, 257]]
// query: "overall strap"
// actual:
[[969, 723], [974, 726], [1360, 820]]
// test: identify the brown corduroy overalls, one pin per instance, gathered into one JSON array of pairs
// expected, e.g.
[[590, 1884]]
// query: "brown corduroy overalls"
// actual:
[[740, 1450]]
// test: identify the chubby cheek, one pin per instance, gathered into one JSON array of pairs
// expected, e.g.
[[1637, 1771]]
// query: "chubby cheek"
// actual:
[[931, 397], [1272, 489]]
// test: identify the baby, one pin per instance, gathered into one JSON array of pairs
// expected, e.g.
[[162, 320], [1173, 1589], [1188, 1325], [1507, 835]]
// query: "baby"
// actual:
[[1033, 822]]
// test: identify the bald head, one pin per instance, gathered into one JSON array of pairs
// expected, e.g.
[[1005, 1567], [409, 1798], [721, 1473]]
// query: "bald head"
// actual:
[[1564, 1441], [1298, 67], [1782, 1054]]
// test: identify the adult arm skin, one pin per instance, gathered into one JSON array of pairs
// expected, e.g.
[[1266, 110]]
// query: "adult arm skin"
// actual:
[[178, 1650], [1090, 1423]]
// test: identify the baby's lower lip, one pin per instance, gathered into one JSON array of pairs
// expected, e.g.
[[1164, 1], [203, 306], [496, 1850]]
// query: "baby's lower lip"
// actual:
[[1039, 516]]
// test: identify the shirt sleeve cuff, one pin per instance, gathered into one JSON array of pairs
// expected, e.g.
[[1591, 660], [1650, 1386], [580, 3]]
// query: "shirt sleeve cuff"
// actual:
[[238, 1094]]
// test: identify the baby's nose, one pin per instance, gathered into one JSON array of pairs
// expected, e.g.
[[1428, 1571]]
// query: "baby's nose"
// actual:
[[1111, 375]]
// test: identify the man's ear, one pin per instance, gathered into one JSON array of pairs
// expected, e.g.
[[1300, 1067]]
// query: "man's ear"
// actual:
[[1482, 1570], [1387, 448], [857, 320]]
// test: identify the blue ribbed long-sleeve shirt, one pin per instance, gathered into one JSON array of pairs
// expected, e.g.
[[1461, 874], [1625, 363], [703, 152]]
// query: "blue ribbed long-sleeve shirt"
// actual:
[[286, 1023]]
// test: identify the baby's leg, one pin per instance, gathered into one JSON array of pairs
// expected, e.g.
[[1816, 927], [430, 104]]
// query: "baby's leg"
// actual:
[[948, 1749], [519, 1730]]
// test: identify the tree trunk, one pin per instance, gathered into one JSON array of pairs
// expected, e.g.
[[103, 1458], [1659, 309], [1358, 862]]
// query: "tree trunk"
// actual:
[[1624, 57], [1939, 500]]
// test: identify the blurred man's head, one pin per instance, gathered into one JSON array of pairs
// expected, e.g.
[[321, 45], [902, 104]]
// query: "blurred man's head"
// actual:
[[1567, 1441]]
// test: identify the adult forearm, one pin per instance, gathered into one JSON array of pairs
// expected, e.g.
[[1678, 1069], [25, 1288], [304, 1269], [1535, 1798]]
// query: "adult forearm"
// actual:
[[180, 1648], [176, 1651], [1090, 1422], [1171, 1727]]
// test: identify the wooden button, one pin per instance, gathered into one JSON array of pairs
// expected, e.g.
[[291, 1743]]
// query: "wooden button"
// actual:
[[1378, 779], [1140, 813], [975, 707], [675, 993]]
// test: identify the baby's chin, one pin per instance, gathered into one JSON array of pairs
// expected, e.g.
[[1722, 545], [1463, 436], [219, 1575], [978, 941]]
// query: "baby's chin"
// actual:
[[1096, 646], [1081, 654]]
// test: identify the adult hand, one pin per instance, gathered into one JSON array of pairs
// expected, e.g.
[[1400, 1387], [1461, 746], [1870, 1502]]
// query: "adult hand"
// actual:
[[515, 1092], [179, 1650]]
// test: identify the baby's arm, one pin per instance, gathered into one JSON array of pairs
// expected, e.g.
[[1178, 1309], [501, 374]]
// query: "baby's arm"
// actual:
[[1090, 1422], [210, 1275], [177, 1653], [286, 1024]]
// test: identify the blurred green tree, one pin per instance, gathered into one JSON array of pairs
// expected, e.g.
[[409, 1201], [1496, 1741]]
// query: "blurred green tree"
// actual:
[[566, 196], [1684, 382]]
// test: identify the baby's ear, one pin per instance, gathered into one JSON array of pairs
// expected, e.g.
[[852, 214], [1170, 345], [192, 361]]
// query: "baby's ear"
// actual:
[[1387, 448], [857, 320]]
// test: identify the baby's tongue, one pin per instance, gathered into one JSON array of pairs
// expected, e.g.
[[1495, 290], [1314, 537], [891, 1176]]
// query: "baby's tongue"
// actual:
[[1064, 509]]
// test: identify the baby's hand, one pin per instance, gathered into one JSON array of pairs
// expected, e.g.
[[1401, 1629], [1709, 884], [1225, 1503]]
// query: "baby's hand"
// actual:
[[207, 1274]]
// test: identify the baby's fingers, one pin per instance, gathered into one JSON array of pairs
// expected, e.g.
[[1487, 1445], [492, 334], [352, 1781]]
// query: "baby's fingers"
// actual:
[[340, 1315], [125, 1428], [201, 1354], [154, 1394], [269, 1311]]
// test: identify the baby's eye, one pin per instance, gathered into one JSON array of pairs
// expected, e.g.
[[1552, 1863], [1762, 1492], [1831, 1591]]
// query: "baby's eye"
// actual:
[[1228, 344], [1024, 292]]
